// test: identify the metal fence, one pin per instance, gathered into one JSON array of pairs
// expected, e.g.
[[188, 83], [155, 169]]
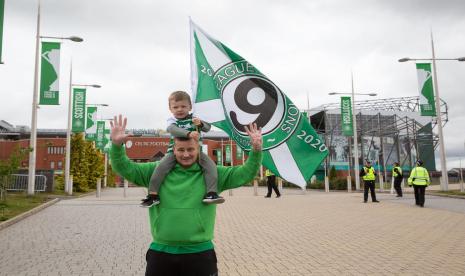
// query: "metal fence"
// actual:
[[18, 182]]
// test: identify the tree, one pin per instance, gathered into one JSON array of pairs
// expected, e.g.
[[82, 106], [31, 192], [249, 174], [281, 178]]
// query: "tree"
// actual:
[[95, 164], [10, 166], [332, 173], [87, 163]]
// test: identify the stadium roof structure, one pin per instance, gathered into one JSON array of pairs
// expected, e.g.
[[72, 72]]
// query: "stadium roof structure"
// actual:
[[402, 104]]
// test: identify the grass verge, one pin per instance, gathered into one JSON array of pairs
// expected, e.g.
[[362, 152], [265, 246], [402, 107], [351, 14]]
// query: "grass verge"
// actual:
[[18, 202]]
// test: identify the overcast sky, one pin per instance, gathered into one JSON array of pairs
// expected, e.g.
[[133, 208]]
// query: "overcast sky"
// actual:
[[139, 52]]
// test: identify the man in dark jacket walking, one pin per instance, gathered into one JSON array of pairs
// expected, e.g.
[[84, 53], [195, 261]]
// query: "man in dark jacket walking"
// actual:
[[398, 176]]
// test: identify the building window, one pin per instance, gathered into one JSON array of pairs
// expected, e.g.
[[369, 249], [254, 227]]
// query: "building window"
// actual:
[[60, 165], [52, 165]]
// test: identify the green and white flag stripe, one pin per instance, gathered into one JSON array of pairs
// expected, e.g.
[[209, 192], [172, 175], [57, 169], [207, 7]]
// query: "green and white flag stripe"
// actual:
[[91, 126], [49, 73], [425, 86], [2, 14], [230, 93]]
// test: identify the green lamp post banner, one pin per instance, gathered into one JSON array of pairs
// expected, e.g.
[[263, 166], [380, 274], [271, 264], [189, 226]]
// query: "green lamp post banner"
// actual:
[[106, 141], [100, 142], [227, 151], [2, 12], [219, 157], [49, 73], [91, 126], [238, 152], [346, 117], [79, 110], [230, 93], [425, 85]]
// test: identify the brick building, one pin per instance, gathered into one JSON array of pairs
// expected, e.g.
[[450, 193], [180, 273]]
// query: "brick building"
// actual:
[[51, 146]]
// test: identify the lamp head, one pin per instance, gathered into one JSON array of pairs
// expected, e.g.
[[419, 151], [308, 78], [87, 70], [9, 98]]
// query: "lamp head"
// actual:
[[75, 39], [404, 59], [461, 59]]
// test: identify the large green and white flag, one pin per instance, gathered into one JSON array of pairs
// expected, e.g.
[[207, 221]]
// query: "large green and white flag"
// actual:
[[79, 110], [2, 13], [230, 93], [49, 73], [425, 85], [346, 117], [91, 125]]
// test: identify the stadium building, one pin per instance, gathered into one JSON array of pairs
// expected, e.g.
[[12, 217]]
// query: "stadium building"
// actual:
[[389, 130]]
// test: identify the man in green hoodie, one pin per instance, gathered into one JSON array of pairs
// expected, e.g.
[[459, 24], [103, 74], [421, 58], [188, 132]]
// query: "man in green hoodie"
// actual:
[[182, 226]]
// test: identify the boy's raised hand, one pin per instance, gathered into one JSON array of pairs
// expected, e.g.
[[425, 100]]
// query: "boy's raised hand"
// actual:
[[118, 130]]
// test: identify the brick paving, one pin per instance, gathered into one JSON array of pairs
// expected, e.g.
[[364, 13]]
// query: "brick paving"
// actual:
[[315, 233]]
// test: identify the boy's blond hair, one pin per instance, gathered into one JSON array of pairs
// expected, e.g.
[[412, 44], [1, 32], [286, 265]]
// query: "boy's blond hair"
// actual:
[[179, 96]]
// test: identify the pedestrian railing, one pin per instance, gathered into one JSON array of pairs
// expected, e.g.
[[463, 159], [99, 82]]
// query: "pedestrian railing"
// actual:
[[19, 182]]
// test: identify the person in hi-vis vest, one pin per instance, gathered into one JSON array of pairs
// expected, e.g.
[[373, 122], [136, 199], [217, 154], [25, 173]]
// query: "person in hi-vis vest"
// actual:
[[419, 179], [398, 176], [368, 174], [271, 182]]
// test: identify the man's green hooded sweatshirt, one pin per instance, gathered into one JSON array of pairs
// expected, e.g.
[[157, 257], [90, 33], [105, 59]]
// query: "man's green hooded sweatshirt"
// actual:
[[181, 223]]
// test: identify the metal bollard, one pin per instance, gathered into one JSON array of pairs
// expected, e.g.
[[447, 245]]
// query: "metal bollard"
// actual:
[[392, 186], [326, 184], [125, 187], [381, 183], [99, 187], [255, 187], [349, 184], [70, 185]]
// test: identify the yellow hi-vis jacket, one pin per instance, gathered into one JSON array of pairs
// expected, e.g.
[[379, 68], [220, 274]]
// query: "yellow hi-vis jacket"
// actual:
[[369, 173], [394, 173], [419, 176], [268, 173]]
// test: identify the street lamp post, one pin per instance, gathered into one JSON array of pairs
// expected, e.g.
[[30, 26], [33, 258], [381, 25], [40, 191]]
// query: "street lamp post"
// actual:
[[354, 118], [33, 136], [68, 131], [442, 152]]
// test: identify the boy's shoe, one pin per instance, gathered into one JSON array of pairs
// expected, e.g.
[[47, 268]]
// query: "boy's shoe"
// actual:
[[212, 198], [150, 200]]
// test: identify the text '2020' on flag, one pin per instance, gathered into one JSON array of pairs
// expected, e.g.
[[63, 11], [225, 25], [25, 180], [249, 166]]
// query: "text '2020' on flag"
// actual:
[[231, 93], [49, 73]]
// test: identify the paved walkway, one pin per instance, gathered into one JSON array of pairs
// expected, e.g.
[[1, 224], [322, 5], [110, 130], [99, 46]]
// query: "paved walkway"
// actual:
[[316, 233]]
